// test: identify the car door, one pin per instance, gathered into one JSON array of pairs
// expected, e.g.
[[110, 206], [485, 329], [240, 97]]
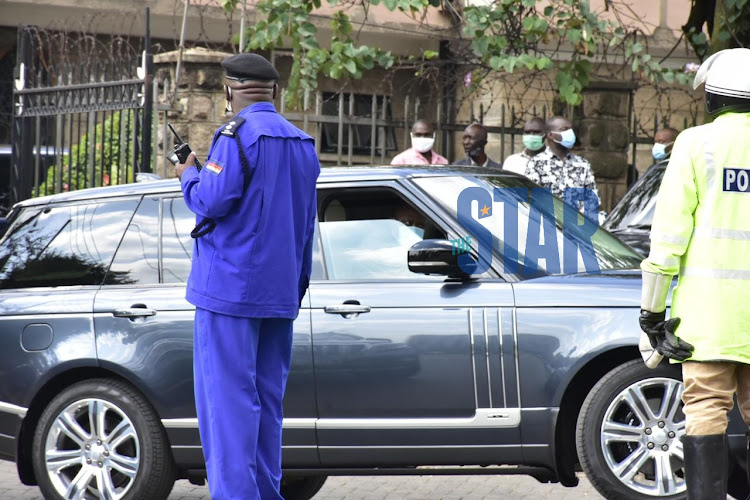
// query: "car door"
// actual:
[[144, 330], [409, 369]]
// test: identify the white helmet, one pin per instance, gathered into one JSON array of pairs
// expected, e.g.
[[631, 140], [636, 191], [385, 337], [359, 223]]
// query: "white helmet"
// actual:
[[727, 81]]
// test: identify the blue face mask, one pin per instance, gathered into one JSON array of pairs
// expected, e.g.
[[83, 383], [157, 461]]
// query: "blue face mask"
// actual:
[[417, 230], [567, 138], [659, 151]]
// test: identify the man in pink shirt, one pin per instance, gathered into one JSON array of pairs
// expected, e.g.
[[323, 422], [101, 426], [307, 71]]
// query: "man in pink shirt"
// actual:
[[420, 153]]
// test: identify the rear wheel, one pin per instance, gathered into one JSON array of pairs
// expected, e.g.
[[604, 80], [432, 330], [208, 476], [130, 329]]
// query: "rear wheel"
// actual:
[[100, 439], [628, 433], [301, 487]]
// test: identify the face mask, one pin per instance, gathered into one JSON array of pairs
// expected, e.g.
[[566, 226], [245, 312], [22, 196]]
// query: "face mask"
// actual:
[[417, 230], [533, 142], [567, 138], [659, 151], [422, 144], [405, 234]]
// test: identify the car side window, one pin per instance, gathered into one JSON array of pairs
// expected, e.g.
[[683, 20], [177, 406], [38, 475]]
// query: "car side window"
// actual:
[[177, 245], [366, 233], [137, 259], [63, 245]]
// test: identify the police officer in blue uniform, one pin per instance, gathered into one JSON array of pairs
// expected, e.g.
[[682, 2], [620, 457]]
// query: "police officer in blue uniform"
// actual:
[[255, 209]]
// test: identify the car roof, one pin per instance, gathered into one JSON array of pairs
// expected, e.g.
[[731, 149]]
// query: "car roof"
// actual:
[[327, 174]]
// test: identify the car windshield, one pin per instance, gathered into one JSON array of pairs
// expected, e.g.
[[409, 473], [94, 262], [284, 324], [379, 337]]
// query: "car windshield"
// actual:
[[609, 253], [636, 209]]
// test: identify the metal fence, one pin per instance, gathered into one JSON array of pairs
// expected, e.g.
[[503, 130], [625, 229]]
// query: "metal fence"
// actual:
[[355, 129], [81, 116], [360, 129]]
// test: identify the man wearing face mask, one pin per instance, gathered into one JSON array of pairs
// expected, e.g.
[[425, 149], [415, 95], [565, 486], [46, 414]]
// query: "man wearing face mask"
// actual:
[[663, 141], [533, 141], [420, 153], [250, 271], [557, 168], [410, 218], [474, 141]]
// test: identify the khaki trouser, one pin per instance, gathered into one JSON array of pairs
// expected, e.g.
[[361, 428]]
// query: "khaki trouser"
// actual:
[[709, 391]]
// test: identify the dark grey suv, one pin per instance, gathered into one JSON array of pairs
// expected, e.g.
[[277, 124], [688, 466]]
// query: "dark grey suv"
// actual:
[[401, 360]]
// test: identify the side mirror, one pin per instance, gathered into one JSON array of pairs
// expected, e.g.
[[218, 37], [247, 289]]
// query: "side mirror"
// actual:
[[435, 257]]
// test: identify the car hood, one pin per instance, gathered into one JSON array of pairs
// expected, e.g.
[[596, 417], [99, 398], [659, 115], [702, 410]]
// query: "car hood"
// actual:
[[606, 289], [638, 239]]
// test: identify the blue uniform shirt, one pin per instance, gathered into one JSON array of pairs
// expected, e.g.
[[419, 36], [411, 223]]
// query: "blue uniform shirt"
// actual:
[[256, 262]]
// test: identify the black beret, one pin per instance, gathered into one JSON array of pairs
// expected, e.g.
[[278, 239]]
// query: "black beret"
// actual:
[[249, 67]]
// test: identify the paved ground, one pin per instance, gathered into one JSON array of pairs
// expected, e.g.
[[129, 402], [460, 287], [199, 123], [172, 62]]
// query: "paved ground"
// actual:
[[373, 488]]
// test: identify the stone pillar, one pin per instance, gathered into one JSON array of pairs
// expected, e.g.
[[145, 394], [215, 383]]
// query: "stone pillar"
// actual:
[[198, 108], [604, 133]]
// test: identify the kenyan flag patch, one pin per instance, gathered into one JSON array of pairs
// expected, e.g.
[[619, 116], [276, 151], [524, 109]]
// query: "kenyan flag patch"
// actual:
[[214, 166]]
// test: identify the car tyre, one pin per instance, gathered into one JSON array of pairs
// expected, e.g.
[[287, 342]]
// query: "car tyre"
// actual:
[[98, 435], [628, 433], [301, 487]]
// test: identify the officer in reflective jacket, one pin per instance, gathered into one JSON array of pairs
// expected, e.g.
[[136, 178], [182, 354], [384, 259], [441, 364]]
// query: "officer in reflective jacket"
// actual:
[[701, 231], [249, 275]]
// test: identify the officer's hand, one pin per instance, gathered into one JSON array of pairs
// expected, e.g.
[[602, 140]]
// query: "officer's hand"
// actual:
[[181, 167], [651, 324], [670, 346]]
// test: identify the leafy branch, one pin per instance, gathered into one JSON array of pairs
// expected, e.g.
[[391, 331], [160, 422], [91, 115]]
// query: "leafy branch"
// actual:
[[565, 39]]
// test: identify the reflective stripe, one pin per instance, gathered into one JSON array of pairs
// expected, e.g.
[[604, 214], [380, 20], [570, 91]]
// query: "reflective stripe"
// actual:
[[671, 239], [670, 261], [710, 163], [728, 274], [710, 166], [728, 234], [654, 291]]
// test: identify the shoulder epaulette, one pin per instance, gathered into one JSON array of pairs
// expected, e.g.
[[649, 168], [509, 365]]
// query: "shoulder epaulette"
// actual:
[[230, 128]]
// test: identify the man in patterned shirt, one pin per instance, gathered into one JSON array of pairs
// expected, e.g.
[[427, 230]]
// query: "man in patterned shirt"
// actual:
[[557, 168]]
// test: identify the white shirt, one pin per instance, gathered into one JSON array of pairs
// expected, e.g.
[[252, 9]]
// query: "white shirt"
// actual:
[[517, 162]]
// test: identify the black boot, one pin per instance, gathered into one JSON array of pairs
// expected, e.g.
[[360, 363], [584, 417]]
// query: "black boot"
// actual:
[[706, 466]]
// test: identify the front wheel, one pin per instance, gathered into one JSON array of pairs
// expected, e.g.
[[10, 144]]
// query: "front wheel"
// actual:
[[628, 433], [100, 439]]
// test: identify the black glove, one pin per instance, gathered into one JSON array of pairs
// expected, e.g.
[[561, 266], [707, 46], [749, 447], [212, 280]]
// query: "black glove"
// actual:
[[651, 324], [661, 335]]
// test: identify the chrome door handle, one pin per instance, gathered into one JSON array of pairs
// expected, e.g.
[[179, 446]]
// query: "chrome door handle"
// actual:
[[133, 312], [346, 309]]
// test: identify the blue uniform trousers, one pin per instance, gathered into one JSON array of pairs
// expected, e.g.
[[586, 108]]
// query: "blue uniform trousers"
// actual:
[[240, 367]]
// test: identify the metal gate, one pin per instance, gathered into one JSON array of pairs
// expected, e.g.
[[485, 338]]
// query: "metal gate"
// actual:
[[81, 112]]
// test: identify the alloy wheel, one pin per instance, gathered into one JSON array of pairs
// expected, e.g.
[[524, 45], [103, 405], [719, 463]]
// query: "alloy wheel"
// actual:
[[640, 437], [92, 451]]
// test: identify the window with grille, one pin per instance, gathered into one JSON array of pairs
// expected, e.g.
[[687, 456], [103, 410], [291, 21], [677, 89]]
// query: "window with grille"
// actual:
[[361, 134]]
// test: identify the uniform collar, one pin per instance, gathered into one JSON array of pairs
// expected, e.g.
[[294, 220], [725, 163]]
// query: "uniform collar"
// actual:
[[259, 107], [732, 116]]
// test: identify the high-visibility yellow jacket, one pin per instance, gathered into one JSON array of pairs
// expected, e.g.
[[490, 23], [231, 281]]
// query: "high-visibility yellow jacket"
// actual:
[[701, 231]]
